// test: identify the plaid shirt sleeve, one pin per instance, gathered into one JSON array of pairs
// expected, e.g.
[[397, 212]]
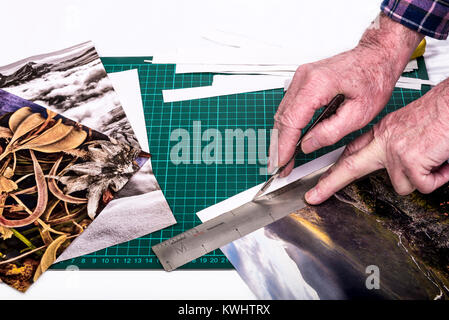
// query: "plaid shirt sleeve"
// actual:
[[429, 17]]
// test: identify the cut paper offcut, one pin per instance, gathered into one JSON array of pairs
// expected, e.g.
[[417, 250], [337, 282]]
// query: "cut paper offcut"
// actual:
[[127, 86], [287, 74], [224, 68], [220, 89], [417, 81], [251, 69], [235, 84], [411, 66], [412, 83], [276, 81]]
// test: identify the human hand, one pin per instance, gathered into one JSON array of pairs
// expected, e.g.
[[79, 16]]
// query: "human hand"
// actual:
[[411, 143], [366, 76]]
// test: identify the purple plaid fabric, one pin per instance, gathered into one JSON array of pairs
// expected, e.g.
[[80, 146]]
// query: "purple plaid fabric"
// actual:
[[429, 17]]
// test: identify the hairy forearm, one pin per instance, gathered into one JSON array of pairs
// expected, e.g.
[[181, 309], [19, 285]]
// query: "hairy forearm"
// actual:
[[445, 90], [441, 100], [392, 41]]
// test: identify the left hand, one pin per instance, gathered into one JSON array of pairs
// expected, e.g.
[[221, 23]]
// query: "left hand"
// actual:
[[411, 143]]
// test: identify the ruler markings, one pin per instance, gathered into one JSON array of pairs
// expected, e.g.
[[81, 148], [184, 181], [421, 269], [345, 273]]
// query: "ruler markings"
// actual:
[[234, 224]]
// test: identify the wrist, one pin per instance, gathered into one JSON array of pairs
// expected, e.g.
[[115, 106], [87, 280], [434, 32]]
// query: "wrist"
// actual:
[[391, 42], [442, 90], [435, 105]]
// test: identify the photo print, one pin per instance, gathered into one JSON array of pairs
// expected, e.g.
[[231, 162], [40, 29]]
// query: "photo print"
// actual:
[[366, 242], [56, 176], [74, 83]]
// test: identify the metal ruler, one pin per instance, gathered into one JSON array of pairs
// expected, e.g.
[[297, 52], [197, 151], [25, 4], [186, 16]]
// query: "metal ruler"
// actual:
[[235, 224]]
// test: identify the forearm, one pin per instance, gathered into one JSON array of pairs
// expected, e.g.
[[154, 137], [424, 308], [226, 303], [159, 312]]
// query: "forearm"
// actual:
[[440, 96], [392, 42]]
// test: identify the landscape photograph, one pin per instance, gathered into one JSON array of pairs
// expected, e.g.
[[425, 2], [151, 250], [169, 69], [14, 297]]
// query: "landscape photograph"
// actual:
[[329, 251]]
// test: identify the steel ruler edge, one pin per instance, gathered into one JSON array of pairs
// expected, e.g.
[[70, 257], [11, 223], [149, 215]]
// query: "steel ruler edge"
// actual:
[[234, 224]]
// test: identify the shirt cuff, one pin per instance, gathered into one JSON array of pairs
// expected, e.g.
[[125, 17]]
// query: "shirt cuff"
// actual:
[[428, 17]]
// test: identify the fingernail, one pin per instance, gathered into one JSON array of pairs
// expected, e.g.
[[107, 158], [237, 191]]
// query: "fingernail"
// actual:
[[311, 196], [271, 165], [310, 144]]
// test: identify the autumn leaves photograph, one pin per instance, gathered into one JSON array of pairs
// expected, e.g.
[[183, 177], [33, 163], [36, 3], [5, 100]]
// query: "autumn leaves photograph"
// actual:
[[55, 177]]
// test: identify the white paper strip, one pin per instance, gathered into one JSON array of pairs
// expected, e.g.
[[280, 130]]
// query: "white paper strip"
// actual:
[[407, 85], [416, 81], [413, 83], [276, 81], [241, 83], [175, 95], [265, 73], [411, 66], [241, 68], [127, 86]]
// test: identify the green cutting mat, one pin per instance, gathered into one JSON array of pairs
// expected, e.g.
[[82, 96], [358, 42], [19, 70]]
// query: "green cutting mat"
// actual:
[[193, 187]]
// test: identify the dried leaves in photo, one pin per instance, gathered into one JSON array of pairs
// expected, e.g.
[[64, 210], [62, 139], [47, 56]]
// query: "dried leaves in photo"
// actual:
[[55, 177]]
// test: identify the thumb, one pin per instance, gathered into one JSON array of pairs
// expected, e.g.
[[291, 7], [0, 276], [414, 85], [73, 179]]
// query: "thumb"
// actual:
[[296, 109], [346, 170], [426, 183]]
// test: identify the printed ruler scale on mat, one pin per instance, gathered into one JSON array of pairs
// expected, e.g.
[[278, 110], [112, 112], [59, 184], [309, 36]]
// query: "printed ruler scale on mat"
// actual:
[[191, 188]]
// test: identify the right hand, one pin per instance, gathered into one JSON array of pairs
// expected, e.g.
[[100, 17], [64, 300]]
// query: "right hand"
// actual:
[[366, 75]]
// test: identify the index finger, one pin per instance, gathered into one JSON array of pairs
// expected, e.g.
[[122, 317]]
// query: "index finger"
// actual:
[[292, 120], [346, 170]]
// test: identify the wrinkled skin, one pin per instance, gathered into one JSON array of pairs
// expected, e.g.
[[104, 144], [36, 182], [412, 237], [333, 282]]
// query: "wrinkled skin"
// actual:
[[408, 143], [411, 143], [366, 82]]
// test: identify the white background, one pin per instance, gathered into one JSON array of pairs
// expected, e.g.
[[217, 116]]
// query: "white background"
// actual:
[[131, 28], [143, 27]]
